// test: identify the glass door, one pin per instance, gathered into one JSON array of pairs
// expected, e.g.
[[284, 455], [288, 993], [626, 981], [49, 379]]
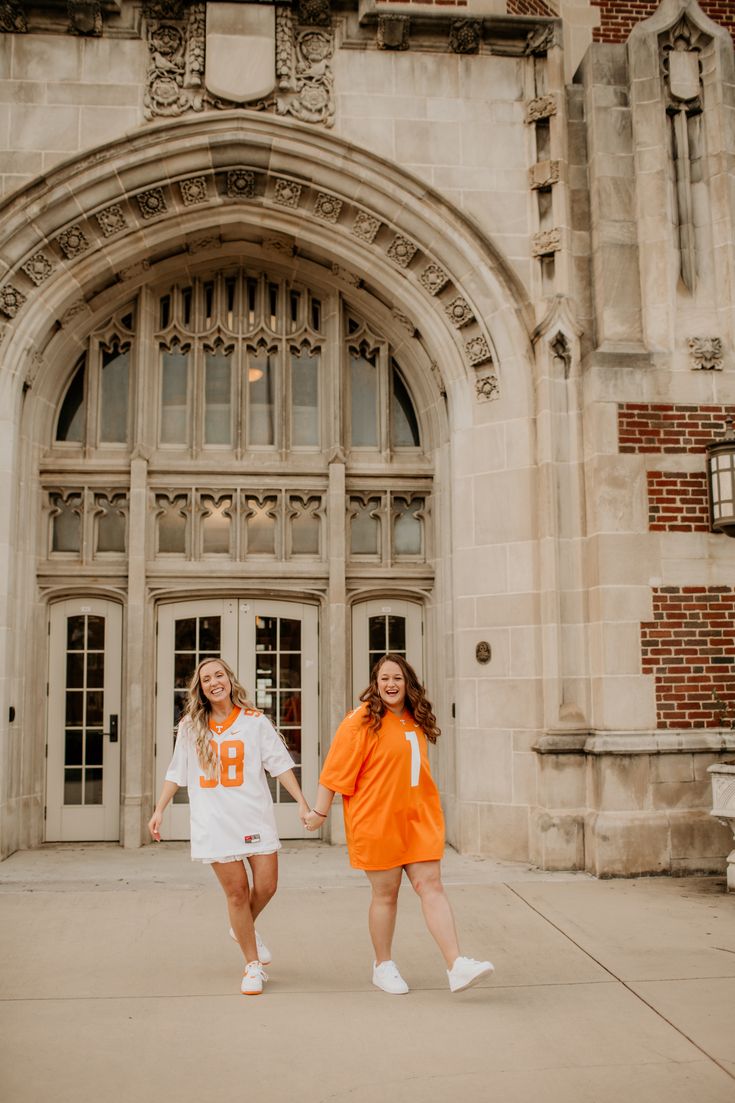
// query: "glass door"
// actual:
[[84, 728], [273, 647], [381, 626]]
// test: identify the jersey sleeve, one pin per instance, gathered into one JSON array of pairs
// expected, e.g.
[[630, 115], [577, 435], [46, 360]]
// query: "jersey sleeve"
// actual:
[[273, 752], [346, 756], [178, 767]]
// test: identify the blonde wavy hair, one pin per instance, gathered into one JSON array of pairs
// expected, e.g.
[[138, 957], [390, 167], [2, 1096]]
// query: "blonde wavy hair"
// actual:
[[416, 701], [198, 710]]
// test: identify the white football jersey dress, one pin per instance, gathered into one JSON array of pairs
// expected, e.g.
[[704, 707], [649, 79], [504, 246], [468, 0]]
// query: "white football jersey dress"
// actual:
[[232, 815]]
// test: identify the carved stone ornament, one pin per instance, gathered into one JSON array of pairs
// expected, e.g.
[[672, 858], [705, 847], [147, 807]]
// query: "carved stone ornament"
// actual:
[[73, 242], [11, 300], [545, 242], [79, 306], [459, 312], [402, 251], [38, 268], [540, 108], [85, 17], [12, 17], [111, 220], [405, 322], [201, 244], [486, 388], [241, 183], [465, 36], [478, 350], [483, 652], [346, 275], [282, 246], [706, 353], [434, 279], [134, 271], [286, 193], [543, 174], [152, 203], [327, 207], [194, 190], [539, 40], [393, 32], [366, 226], [314, 13]]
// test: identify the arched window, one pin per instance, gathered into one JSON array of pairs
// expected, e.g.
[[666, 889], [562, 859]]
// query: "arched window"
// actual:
[[70, 422]]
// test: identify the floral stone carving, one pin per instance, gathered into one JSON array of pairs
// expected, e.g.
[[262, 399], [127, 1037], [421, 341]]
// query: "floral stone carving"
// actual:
[[706, 353], [38, 268], [194, 190], [486, 388], [111, 220], [241, 183], [365, 226], [327, 207], [73, 242], [459, 312], [434, 279], [11, 300], [402, 251]]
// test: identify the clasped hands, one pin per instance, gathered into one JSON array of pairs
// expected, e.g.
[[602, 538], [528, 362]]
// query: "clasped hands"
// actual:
[[311, 820]]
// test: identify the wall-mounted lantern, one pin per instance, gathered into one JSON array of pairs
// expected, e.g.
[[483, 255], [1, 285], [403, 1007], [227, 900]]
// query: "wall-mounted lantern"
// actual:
[[721, 481]]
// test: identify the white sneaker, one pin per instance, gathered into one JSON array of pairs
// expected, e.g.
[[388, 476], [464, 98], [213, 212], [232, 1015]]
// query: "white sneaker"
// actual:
[[387, 977], [466, 971], [264, 955], [253, 979]]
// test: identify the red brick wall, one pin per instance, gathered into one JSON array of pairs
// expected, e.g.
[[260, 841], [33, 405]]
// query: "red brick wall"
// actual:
[[677, 501], [436, 3], [647, 427], [690, 648], [618, 17]]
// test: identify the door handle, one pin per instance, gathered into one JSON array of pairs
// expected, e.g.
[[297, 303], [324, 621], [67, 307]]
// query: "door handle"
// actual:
[[113, 728]]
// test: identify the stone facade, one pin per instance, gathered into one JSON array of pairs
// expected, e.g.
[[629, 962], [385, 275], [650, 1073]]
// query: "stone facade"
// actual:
[[523, 239]]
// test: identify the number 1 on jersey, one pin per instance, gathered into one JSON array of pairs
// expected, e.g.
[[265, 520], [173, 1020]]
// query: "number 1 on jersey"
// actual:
[[415, 758]]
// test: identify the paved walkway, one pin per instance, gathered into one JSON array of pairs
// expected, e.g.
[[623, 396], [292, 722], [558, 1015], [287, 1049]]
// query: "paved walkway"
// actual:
[[118, 982]]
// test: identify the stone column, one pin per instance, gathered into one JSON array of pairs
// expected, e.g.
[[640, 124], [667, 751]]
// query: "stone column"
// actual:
[[137, 739], [334, 667]]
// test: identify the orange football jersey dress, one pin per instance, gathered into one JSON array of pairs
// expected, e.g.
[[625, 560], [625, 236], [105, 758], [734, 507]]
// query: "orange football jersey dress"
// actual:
[[391, 803]]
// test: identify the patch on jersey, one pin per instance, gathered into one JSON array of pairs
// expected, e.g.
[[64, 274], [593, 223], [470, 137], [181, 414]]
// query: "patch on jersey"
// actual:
[[252, 712], [251, 838]]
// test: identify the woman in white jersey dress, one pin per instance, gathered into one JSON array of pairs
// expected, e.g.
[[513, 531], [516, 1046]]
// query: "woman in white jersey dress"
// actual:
[[223, 748]]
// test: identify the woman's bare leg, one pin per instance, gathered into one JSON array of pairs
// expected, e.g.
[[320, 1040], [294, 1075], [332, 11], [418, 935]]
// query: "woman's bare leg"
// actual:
[[264, 869], [383, 908], [426, 880], [234, 880]]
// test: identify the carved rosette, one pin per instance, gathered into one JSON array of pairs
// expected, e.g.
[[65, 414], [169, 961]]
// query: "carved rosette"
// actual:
[[365, 226], [459, 312], [38, 268], [11, 300], [111, 220], [706, 353], [546, 242], [241, 184], [434, 279], [465, 36], [540, 108], [152, 203], [401, 250], [73, 242], [487, 388], [193, 190], [286, 193], [477, 350], [165, 94], [327, 207], [310, 97]]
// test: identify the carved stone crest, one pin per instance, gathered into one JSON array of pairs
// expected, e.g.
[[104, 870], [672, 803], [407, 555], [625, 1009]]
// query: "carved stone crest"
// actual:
[[393, 32], [85, 17]]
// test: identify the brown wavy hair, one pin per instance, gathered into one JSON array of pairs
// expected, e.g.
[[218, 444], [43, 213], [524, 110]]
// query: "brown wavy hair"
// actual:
[[198, 709], [416, 701]]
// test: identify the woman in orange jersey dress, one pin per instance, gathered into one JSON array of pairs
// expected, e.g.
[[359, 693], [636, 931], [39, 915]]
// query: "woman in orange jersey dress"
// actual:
[[378, 761]]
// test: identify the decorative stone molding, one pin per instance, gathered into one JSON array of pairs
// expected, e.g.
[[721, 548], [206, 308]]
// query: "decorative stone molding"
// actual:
[[280, 245], [706, 353], [11, 300], [477, 350], [240, 183], [73, 242], [38, 268], [12, 17], [327, 207], [434, 278], [540, 108], [286, 192], [134, 270], [194, 190], [540, 40], [405, 322], [111, 220], [196, 37], [465, 36], [393, 31], [85, 17], [543, 174], [546, 242], [487, 388], [79, 306], [459, 312], [365, 226], [204, 243], [152, 203], [402, 251]]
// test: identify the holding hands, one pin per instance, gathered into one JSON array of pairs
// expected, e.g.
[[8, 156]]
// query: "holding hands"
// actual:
[[313, 821]]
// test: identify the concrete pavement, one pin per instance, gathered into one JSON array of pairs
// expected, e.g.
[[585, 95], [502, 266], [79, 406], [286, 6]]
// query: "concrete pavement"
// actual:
[[118, 981]]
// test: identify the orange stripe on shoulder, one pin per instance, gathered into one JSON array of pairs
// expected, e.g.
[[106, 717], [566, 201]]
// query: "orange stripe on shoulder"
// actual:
[[252, 712]]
